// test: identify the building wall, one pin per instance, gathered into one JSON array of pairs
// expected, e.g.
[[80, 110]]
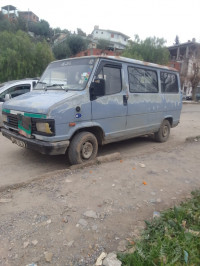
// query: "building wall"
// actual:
[[30, 16], [119, 40], [183, 58]]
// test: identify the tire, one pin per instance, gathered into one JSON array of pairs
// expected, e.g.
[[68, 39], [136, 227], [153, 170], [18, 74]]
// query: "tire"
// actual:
[[163, 133], [83, 148]]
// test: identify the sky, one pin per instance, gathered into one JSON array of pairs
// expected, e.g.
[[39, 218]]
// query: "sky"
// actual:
[[147, 18]]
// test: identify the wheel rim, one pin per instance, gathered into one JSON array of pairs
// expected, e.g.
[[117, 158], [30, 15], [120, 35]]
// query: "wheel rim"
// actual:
[[87, 150], [165, 131]]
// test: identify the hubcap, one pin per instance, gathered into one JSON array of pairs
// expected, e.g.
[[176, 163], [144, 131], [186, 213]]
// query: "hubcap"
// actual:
[[87, 150], [165, 131]]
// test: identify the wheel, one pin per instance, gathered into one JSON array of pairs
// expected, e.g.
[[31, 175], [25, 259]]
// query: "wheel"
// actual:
[[83, 148], [163, 133]]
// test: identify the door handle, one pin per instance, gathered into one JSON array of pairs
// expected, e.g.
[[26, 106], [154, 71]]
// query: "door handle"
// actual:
[[125, 99]]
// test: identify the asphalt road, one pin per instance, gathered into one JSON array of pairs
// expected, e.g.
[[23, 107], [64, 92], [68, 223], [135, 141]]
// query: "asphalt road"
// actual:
[[19, 165]]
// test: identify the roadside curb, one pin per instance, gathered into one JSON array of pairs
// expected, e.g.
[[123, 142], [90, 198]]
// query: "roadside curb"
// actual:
[[99, 160], [190, 102]]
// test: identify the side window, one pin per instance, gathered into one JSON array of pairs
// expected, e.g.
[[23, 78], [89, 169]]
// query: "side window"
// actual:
[[112, 78], [142, 80], [18, 90], [169, 83]]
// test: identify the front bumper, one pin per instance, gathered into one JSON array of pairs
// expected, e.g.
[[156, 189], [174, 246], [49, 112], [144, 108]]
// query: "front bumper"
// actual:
[[44, 147]]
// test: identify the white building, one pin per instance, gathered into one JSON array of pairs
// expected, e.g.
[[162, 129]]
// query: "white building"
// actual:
[[117, 39]]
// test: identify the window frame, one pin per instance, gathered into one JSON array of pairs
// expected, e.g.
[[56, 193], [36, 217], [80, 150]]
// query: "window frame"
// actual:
[[115, 65], [147, 70], [169, 92]]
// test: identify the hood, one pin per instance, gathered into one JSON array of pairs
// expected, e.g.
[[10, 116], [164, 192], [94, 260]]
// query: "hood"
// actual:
[[38, 101]]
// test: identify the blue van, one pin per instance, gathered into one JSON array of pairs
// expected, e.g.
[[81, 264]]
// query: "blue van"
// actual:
[[84, 102]]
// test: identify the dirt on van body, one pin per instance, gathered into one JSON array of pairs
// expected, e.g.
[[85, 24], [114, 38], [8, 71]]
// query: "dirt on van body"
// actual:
[[71, 217]]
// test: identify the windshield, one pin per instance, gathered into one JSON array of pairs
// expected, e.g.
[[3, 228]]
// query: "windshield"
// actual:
[[72, 74]]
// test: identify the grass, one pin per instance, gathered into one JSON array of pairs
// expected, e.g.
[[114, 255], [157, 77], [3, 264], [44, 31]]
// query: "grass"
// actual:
[[172, 239]]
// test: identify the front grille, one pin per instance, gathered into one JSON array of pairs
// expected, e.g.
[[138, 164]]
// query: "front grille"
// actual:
[[33, 126], [12, 121]]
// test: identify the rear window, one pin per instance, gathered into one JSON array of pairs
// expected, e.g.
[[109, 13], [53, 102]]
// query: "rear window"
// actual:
[[169, 82]]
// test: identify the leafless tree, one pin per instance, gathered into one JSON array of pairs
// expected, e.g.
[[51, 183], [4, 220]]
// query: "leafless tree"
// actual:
[[195, 76], [195, 79]]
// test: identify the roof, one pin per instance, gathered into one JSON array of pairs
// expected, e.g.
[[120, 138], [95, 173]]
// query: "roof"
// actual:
[[16, 82], [123, 59], [184, 44], [9, 7], [26, 13], [112, 31]]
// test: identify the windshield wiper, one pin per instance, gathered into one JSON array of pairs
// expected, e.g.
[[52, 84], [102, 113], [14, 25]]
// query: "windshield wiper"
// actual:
[[55, 85], [41, 82]]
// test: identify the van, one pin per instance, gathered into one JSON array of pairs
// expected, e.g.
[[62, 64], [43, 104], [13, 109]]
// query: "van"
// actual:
[[84, 102]]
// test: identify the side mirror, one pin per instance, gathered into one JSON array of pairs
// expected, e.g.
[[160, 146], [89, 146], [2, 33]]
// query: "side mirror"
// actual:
[[7, 97], [97, 88]]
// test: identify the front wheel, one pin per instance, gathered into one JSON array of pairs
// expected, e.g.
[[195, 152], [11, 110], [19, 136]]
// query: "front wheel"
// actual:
[[83, 148], [163, 133]]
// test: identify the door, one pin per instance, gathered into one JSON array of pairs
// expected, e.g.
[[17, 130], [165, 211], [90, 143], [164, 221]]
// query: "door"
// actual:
[[110, 110], [145, 102]]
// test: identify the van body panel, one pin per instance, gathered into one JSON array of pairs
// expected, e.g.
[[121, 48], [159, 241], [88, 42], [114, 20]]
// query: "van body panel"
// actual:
[[172, 105], [110, 113], [38, 101], [145, 112]]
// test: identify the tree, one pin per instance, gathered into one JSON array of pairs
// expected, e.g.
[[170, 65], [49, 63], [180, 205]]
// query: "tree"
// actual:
[[80, 32], [150, 50], [76, 44], [72, 45], [103, 44], [177, 42], [5, 24], [194, 76], [21, 57], [61, 50], [40, 28], [195, 79]]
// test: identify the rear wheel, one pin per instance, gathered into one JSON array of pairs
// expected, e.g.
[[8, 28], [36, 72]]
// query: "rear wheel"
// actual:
[[163, 133], [83, 148]]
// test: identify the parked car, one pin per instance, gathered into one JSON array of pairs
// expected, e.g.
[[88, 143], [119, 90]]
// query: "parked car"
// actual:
[[14, 88]]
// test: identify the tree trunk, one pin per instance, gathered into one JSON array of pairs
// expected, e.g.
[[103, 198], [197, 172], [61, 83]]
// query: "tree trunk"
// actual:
[[194, 94]]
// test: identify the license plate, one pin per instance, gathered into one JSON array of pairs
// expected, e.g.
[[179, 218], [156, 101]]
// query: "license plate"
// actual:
[[18, 142]]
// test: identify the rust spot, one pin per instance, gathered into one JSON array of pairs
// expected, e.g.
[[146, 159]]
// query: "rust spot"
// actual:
[[72, 124]]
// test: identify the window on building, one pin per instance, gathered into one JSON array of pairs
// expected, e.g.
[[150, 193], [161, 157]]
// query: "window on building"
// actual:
[[112, 76], [142, 80], [102, 32], [169, 82]]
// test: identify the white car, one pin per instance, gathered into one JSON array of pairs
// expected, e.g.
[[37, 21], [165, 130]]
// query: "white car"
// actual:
[[14, 88]]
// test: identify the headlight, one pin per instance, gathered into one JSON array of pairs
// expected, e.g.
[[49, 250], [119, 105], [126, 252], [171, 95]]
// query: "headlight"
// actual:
[[43, 127], [4, 118]]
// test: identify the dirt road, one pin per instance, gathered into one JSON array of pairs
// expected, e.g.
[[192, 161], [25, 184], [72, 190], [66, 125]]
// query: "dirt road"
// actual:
[[19, 165], [70, 218]]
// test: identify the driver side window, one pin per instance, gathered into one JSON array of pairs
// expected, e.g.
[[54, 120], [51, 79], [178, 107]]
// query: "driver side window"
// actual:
[[112, 77]]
